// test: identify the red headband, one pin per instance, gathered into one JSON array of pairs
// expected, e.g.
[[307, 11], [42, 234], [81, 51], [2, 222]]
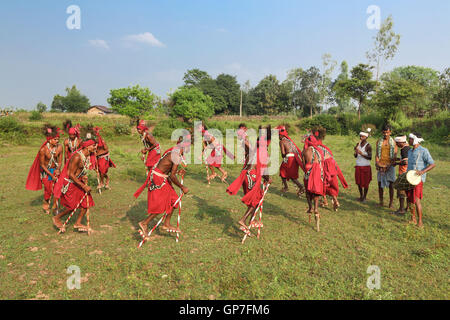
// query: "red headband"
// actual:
[[87, 143]]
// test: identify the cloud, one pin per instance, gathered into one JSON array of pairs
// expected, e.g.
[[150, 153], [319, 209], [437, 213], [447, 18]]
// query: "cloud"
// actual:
[[145, 38], [99, 44]]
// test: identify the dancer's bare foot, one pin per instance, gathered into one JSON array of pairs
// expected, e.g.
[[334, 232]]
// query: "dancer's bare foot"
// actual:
[[171, 229], [284, 189], [80, 227], [143, 228], [224, 177], [391, 205], [420, 225], [107, 187], [57, 223]]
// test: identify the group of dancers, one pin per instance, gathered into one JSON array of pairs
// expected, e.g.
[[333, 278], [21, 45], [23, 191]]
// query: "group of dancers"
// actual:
[[63, 172]]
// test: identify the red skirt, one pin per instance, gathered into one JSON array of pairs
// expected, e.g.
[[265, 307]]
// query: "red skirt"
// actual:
[[213, 160], [363, 176], [153, 157], [73, 196], [314, 183], [289, 169], [161, 200], [104, 165], [48, 188], [332, 186], [417, 192]]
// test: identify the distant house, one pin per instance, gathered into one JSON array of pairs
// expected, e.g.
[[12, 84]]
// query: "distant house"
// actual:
[[99, 110]]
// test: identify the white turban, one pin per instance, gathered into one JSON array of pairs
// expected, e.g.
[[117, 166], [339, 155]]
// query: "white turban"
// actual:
[[365, 134], [400, 139], [415, 138]]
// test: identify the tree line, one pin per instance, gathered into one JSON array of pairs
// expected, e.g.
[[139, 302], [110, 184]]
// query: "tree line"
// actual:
[[415, 91]]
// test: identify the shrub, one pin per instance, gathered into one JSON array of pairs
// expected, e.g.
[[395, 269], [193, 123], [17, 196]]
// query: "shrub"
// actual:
[[122, 129], [165, 128], [35, 116], [10, 125], [327, 121]]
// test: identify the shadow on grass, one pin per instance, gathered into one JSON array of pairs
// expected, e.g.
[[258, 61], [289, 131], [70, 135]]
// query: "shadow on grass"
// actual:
[[37, 201], [136, 214], [219, 216]]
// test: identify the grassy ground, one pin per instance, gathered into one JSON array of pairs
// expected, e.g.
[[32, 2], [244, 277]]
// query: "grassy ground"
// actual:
[[290, 261]]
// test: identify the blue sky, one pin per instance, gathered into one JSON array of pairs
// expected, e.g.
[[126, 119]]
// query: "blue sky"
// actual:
[[152, 43]]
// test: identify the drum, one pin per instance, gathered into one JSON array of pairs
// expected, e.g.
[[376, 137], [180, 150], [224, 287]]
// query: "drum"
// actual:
[[402, 183], [413, 178]]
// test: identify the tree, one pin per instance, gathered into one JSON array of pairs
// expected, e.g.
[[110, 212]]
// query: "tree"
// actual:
[[441, 98], [359, 86], [385, 45], [325, 95], [74, 101], [420, 84], [40, 107], [265, 95], [191, 104], [194, 76], [231, 92], [342, 99], [396, 94], [308, 96], [132, 101]]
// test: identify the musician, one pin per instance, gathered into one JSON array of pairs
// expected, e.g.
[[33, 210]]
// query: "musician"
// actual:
[[385, 158], [402, 164], [363, 170], [419, 159]]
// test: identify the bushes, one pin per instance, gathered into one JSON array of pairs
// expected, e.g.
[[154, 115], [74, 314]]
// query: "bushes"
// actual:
[[12, 131], [327, 121], [121, 129], [10, 125], [35, 116], [165, 128]]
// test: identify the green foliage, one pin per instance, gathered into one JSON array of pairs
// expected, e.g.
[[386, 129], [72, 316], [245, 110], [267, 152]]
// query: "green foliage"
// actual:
[[327, 121], [122, 129], [441, 99], [191, 104], [74, 101], [386, 44], [164, 128], [358, 87], [10, 124], [35, 116], [132, 101], [41, 108]]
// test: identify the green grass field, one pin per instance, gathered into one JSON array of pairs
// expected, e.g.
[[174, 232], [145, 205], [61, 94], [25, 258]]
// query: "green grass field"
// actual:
[[290, 261]]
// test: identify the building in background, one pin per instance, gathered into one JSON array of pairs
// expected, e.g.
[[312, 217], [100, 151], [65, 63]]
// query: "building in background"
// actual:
[[99, 110]]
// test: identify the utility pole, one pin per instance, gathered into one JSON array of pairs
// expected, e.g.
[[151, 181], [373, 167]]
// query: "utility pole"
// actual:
[[240, 107]]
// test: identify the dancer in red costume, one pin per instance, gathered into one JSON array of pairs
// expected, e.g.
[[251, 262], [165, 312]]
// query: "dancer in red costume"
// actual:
[[292, 160], [72, 187], [104, 161], [215, 159], [251, 176], [46, 167], [151, 146], [73, 142], [161, 194], [314, 180], [331, 170]]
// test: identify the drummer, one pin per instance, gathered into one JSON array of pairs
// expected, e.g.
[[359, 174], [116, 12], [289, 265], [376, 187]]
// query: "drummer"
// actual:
[[384, 159], [419, 159], [402, 163]]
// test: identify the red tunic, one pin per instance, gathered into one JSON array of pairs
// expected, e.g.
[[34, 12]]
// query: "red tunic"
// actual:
[[153, 157], [289, 168], [215, 158], [161, 195], [104, 162], [73, 196]]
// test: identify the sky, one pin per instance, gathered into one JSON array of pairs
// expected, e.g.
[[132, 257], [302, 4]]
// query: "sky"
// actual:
[[152, 43]]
